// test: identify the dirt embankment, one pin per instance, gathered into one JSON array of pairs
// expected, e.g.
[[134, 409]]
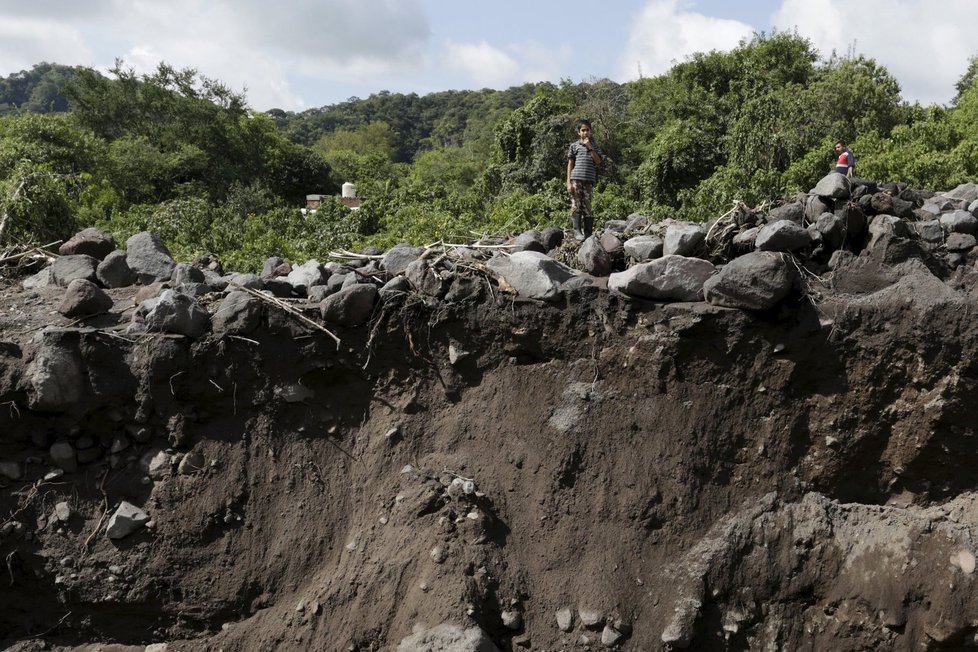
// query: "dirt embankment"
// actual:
[[596, 473]]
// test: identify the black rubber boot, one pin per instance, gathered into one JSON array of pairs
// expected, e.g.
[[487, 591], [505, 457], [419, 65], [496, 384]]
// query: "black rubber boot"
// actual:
[[576, 221], [588, 226]]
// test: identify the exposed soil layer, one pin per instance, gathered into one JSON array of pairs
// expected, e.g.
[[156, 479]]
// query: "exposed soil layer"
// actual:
[[678, 475]]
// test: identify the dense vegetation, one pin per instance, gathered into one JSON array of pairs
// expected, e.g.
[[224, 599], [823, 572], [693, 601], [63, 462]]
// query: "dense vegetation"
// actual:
[[181, 154]]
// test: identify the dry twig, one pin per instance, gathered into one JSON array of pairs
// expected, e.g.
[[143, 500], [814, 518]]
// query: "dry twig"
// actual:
[[289, 309]]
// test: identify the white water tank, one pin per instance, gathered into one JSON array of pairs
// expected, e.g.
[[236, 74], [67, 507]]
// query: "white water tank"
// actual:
[[349, 190]]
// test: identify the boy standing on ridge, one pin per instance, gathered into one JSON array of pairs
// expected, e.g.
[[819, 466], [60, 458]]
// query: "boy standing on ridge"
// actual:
[[583, 158]]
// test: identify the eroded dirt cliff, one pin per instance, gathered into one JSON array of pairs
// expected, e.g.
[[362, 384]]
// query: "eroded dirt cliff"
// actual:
[[597, 472]]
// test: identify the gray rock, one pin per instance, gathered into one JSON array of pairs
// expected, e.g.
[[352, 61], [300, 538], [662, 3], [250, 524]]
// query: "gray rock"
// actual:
[[63, 456], [172, 312], [959, 222], [782, 235], [55, 377], [683, 239], [126, 520], [191, 463], [194, 289], [960, 242], [615, 226], [973, 208], [250, 281], [533, 275], [338, 280], [965, 192], [590, 618], [90, 242], [424, 279], [670, 277], [317, 293], [215, 281], [793, 212], [238, 314], [831, 229], [610, 636], [307, 275], [930, 231], [552, 237], [512, 620], [815, 206], [637, 222], [394, 286], [42, 279], [529, 241], [565, 619], [447, 638], [149, 258], [83, 298], [350, 307], [755, 281], [11, 470], [66, 269], [643, 247], [269, 269], [186, 273], [114, 272], [834, 185], [396, 259], [745, 240], [62, 512], [594, 259], [887, 225]]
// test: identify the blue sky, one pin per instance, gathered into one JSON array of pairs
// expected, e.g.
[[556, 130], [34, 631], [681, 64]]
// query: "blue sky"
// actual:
[[297, 54]]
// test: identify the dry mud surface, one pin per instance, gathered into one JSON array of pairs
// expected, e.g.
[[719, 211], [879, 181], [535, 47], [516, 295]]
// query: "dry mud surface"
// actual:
[[596, 473]]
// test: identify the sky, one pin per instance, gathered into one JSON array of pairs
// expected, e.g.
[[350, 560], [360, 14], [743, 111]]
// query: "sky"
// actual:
[[301, 54]]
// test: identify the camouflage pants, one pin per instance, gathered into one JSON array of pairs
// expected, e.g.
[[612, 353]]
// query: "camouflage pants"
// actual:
[[581, 205]]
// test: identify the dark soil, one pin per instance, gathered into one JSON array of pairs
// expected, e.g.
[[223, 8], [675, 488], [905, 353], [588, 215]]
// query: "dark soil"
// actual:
[[799, 480]]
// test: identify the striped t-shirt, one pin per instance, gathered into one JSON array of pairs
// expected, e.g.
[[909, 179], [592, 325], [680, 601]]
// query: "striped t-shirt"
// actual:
[[584, 168]]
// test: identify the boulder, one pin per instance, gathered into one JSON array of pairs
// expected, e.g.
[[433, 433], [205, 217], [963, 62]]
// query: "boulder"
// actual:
[[815, 206], [307, 275], [531, 274], [965, 192], [833, 185], [960, 242], [424, 279], [793, 212], [43, 279], [238, 314], [66, 269], [396, 285], [929, 231], [250, 281], [149, 258], [185, 273], [959, 222], [887, 225], [351, 306], [396, 259], [55, 377], [754, 281], [273, 266], [173, 312], [114, 272], [83, 298], [683, 239], [668, 278], [783, 235], [552, 237], [643, 247], [594, 259], [529, 241], [90, 242]]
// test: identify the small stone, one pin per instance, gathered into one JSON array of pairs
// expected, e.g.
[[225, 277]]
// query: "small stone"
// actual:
[[439, 554], [512, 620], [565, 619], [610, 636], [62, 511], [591, 618]]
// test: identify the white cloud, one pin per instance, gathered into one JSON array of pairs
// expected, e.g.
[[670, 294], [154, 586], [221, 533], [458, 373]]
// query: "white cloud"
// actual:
[[246, 43], [925, 45], [492, 67], [666, 32], [24, 43]]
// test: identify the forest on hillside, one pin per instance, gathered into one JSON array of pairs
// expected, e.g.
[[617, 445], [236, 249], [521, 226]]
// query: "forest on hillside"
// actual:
[[182, 155]]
